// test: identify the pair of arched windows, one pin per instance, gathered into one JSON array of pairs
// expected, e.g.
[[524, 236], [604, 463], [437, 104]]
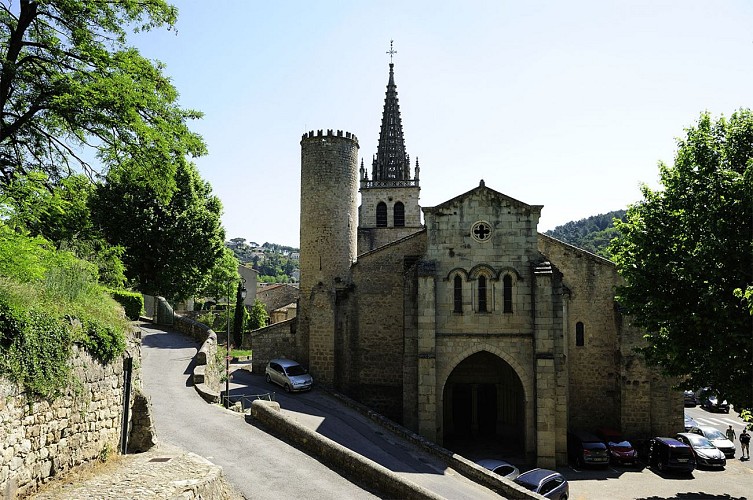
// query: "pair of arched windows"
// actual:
[[398, 214], [482, 295]]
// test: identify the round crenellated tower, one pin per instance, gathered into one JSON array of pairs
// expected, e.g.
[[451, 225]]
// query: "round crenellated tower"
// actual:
[[329, 223]]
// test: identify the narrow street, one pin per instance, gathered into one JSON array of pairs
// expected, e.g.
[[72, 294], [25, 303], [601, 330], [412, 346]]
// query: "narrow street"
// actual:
[[258, 465]]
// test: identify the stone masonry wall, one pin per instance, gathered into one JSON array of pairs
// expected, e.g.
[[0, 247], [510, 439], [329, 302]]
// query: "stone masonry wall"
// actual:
[[42, 439], [274, 341], [378, 280], [632, 396]]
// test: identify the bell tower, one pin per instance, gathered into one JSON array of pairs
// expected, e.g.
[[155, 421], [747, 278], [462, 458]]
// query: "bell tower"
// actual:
[[389, 199]]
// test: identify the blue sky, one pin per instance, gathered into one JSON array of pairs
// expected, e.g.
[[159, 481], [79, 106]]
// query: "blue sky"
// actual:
[[570, 105]]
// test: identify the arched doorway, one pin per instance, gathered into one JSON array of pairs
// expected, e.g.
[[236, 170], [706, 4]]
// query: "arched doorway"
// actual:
[[484, 406]]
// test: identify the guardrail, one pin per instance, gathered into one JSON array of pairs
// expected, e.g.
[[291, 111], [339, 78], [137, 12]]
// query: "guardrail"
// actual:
[[246, 399]]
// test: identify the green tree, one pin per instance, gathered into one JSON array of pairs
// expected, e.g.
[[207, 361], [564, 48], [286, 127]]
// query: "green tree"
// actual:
[[170, 246], [59, 212], [69, 84], [685, 250], [259, 315]]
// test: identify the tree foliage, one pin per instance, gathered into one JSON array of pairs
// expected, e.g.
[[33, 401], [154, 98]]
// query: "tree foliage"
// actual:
[[592, 234], [686, 249], [170, 245], [71, 87], [59, 212]]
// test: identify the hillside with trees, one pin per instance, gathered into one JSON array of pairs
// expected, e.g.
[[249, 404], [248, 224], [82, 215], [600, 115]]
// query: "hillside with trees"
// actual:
[[275, 263], [592, 234]]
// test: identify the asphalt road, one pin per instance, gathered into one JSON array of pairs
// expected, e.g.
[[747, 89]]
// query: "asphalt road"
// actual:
[[261, 466], [258, 465]]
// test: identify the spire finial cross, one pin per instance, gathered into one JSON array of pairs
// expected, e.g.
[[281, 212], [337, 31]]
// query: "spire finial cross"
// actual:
[[391, 52]]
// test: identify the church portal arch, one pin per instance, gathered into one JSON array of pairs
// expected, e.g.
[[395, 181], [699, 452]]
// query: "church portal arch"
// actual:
[[484, 401]]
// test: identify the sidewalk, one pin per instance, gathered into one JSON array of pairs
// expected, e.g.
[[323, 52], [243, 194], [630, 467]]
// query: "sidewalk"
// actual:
[[164, 472]]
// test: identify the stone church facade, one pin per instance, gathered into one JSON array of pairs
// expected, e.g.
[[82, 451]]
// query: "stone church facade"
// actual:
[[468, 325]]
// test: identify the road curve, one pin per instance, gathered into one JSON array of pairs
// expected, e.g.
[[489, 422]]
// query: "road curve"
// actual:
[[258, 465]]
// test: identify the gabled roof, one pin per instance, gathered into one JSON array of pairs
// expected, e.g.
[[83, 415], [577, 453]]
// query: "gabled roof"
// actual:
[[482, 189]]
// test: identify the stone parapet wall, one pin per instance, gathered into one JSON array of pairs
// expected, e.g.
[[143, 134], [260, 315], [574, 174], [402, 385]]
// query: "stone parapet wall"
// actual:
[[207, 371], [82, 425]]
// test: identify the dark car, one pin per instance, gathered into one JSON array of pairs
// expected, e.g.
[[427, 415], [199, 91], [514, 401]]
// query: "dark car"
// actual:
[[620, 450], [690, 399], [705, 452], [689, 422], [669, 454], [545, 482], [583, 448], [711, 401]]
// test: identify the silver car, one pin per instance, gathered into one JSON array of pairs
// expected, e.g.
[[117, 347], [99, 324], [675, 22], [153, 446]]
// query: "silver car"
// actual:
[[289, 375]]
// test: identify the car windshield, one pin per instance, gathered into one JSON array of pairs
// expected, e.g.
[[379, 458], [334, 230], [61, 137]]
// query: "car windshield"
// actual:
[[295, 370], [699, 441], [714, 434], [621, 443]]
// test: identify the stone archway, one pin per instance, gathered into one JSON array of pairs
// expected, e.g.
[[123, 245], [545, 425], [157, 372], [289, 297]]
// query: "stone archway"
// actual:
[[484, 406]]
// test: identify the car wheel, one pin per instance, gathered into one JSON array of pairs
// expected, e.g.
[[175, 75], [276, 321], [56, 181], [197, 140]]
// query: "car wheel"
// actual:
[[269, 379], [287, 388], [564, 497]]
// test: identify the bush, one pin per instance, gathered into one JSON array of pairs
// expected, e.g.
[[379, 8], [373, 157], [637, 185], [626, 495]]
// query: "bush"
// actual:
[[132, 302], [48, 300]]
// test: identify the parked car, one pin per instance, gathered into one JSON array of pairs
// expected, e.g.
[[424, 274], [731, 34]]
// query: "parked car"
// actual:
[[710, 401], [500, 467], [690, 422], [690, 399], [619, 449], [583, 448], [545, 482], [705, 452], [668, 454], [717, 438], [289, 375]]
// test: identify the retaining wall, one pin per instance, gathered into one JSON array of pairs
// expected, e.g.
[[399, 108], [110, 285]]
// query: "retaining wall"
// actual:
[[207, 371], [82, 425]]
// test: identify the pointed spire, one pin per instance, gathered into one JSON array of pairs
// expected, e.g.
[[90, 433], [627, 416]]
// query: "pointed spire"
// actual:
[[391, 161]]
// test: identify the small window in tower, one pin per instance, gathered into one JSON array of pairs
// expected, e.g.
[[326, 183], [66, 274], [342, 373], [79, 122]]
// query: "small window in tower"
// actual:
[[482, 294], [399, 214], [579, 334], [457, 298], [381, 215], [507, 293]]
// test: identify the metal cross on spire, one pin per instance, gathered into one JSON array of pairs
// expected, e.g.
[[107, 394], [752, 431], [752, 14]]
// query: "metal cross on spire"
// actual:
[[391, 52]]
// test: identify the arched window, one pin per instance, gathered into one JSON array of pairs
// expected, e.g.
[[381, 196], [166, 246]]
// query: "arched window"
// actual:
[[507, 293], [482, 294], [399, 214], [457, 297], [381, 214], [579, 334]]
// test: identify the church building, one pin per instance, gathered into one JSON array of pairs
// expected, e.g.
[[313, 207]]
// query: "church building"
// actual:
[[466, 325]]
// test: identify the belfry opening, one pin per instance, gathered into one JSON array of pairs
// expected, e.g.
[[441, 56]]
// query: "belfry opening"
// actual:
[[484, 405]]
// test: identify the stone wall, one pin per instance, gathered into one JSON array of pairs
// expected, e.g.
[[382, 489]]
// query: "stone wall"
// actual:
[[371, 327], [82, 425], [274, 341], [632, 397], [208, 371]]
